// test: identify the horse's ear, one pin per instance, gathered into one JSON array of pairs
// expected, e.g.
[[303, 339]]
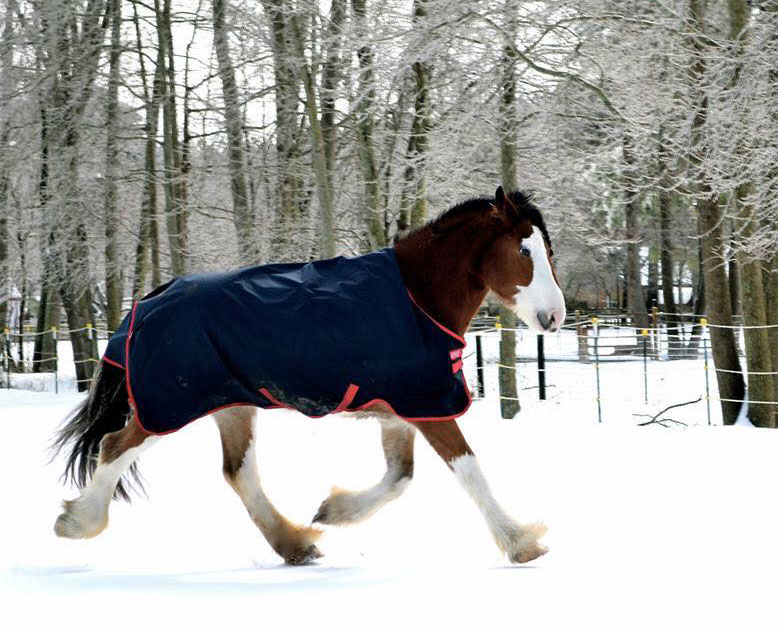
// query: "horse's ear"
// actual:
[[504, 204], [499, 196]]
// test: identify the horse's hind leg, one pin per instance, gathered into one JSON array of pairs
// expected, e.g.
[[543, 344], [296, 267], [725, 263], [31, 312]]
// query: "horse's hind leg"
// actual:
[[237, 428], [87, 515], [347, 507], [518, 541]]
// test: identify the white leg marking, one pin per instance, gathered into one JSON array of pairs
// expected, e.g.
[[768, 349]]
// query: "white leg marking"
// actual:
[[519, 542], [348, 507], [87, 515], [294, 543], [249, 487]]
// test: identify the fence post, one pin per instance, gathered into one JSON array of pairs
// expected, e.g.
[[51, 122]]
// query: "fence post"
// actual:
[[56, 359], [644, 333], [657, 333], [541, 368], [479, 366], [596, 327], [703, 330], [7, 347]]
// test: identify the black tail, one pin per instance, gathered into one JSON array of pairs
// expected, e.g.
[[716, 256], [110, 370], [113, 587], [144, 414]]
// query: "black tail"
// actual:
[[105, 410]]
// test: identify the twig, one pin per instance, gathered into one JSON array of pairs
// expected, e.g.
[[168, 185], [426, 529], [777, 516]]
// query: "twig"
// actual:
[[658, 421]]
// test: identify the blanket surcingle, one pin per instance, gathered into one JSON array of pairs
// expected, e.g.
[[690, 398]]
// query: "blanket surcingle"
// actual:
[[320, 337]]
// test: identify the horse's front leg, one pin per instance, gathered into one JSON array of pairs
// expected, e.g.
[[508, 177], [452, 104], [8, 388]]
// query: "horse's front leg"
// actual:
[[518, 541], [347, 507]]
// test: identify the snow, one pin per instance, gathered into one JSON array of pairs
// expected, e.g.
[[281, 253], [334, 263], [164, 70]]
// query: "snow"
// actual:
[[649, 528]]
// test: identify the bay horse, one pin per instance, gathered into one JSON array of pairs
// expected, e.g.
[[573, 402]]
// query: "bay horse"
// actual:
[[447, 268]]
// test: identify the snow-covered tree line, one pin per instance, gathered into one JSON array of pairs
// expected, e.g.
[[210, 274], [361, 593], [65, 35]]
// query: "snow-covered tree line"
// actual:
[[142, 139]]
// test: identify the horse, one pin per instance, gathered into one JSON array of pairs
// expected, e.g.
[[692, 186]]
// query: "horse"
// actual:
[[447, 267]]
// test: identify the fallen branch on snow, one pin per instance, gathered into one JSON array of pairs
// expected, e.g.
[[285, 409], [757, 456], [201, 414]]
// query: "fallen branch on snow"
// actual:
[[664, 421]]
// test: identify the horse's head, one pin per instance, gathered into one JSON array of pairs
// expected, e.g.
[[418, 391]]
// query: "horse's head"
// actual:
[[519, 265]]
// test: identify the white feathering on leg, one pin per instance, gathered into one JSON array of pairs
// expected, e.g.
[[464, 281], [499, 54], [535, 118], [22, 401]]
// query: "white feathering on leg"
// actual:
[[519, 542]]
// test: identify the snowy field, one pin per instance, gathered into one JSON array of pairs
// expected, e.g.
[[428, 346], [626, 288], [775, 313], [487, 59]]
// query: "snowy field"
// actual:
[[649, 528]]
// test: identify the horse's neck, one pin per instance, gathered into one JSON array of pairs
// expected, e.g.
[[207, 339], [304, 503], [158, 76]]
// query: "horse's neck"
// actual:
[[441, 274]]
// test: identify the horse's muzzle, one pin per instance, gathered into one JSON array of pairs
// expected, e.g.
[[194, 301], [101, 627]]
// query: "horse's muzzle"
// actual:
[[549, 320]]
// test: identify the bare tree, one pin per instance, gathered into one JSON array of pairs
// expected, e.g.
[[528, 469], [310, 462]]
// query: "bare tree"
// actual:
[[414, 203], [509, 402], [113, 269], [147, 247], [728, 375], [241, 208]]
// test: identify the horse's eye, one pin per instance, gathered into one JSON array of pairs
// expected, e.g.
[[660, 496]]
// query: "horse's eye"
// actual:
[[524, 251]]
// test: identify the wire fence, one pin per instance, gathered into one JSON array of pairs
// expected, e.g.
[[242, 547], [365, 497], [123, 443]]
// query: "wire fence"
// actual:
[[605, 359], [593, 359]]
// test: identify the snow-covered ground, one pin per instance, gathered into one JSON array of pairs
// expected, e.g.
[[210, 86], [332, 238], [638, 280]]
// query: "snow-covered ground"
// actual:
[[649, 528]]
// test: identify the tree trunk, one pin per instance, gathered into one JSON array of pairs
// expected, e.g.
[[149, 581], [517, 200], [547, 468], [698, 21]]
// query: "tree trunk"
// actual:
[[666, 262], [757, 340], [698, 304], [147, 248], [771, 283], [770, 8], [330, 78], [6, 89], [287, 84], [241, 209], [413, 203], [48, 314], [70, 68], [323, 177], [364, 111], [728, 370], [509, 394], [735, 286], [113, 268], [175, 211], [636, 297]]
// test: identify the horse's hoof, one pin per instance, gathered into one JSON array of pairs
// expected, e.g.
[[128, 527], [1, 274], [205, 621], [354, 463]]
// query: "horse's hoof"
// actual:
[[305, 556], [340, 508], [75, 523], [530, 553], [321, 515]]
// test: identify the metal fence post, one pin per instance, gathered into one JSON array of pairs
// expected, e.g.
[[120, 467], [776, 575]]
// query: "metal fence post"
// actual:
[[541, 368], [7, 354], [56, 359], [596, 327], [644, 333], [479, 367], [703, 330]]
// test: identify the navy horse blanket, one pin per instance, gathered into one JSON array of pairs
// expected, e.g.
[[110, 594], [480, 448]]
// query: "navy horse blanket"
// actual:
[[322, 337]]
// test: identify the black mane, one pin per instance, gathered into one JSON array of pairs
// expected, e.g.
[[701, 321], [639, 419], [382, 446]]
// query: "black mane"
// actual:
[[522, 202]]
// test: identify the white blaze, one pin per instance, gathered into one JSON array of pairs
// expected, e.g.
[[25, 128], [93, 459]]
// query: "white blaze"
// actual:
[[543, 293]]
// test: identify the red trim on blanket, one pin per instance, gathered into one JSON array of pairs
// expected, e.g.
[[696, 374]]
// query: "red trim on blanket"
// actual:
[[438, 324], [213, 411], [456, 367], [351, 392], [455, 354], [113, 363], [276, 403]]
